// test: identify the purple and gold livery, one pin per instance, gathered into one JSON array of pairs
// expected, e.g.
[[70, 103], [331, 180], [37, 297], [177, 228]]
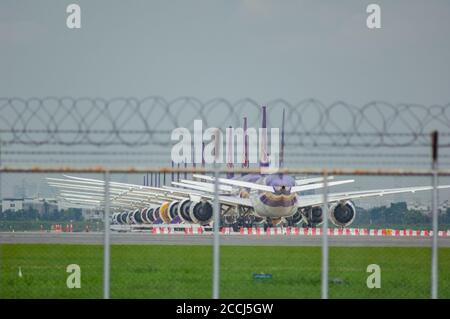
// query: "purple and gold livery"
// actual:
[[279, 203]]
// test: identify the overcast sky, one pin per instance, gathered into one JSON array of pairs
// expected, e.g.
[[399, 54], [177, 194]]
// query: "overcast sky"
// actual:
[[235, 48]]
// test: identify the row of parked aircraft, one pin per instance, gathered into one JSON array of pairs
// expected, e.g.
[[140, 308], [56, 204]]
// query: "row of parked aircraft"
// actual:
[[250, 199]]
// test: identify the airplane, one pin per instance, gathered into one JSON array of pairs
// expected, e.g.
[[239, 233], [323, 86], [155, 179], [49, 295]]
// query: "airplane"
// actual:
[[266, 199]]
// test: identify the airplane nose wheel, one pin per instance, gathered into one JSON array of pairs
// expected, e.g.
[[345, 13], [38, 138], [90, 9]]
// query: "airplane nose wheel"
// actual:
[[240, 222]]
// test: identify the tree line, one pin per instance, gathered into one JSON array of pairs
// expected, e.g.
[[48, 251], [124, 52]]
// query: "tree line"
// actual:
[[71, 214], [397, 214]]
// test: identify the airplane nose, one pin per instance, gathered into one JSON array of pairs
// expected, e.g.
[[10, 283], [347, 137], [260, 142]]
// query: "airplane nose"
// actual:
[[282, 189]]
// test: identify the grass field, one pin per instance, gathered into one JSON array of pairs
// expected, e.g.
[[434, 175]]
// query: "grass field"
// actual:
[[150, 271]]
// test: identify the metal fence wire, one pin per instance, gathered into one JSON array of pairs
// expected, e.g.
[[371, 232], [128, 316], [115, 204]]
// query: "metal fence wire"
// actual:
[[114, 231], [149, 121]]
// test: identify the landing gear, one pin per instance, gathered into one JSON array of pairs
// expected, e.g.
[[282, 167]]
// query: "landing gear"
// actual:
[[306, 217], [246, 221], [295, 219]]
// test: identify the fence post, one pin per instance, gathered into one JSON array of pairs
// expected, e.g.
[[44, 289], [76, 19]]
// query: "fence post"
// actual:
[[216, 216], [1, 173], [1, 201], [434, 205], [106, 243], [324, 290]]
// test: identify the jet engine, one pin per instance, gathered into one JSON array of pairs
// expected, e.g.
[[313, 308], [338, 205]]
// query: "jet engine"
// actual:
[[164, 212], [114, 218], [343, 213], [122, 218], [295, 218], [136, 217], [156, 214], [152, 215], [128, 218], [201, 212], [173, 211], [183, 210], [144, 215], [315, 215]]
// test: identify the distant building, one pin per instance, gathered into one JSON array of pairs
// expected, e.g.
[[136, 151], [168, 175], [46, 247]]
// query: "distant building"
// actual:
[[12, 204], [91, 213], [42, 205], [419, 207], [426, 209]]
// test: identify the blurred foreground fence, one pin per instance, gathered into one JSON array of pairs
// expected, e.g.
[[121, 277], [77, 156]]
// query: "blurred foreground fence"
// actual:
[[42, 137], [290, 265]]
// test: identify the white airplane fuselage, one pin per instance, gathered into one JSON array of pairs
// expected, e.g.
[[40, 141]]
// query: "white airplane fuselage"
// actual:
[[279, 203]]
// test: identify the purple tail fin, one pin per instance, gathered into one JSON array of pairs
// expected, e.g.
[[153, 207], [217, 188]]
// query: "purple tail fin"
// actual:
[[282, 142], [263, 157], [230, 154], [203, 151], [245, 162]]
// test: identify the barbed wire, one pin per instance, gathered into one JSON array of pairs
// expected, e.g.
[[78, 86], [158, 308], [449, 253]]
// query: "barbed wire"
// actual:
[[322, 162], [166, 153], [149, 121]]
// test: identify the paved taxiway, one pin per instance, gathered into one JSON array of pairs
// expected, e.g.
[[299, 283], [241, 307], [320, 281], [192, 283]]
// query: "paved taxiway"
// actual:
[[206, 239]]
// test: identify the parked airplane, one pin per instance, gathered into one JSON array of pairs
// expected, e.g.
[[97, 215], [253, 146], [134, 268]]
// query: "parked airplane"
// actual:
[[264, 199]]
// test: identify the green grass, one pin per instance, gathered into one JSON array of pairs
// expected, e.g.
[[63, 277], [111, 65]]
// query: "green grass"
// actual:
[[150, 271]]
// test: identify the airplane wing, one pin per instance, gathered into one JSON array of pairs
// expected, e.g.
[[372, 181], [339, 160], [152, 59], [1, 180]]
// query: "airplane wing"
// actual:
[[300, 186], [234, 182], [232, 200], [304, 181], [90, 192], [317, 199]]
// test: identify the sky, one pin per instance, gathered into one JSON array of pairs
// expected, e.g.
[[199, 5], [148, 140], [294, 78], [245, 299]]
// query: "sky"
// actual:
[[261, 49]]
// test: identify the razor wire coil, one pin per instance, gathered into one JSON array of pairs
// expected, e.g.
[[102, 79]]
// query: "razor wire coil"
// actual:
[[139, 122]]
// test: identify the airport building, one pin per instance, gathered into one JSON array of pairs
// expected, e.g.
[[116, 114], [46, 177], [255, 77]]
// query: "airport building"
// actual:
[[12, 204], [91, 214], [426, 208], [40, 204]]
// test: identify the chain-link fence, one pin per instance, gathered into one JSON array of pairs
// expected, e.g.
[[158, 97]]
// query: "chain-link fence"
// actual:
[[377, 242]]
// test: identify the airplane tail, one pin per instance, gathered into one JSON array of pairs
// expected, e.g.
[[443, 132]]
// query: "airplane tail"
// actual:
[[246, 161], [172, 176], [263, 156], [230, 153], [203, 152], [282, 142]]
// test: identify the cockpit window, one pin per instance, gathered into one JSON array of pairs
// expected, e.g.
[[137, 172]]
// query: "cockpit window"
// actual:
[[282, 189]]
